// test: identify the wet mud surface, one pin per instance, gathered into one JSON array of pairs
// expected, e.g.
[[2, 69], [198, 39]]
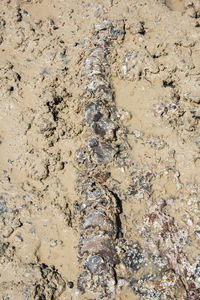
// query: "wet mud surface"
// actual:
[[99, 198]]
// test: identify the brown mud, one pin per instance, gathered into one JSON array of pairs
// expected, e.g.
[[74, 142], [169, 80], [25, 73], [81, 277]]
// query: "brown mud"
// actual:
[[155, 77]]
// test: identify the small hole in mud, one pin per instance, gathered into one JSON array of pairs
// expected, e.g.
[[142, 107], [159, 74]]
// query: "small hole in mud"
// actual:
[[168, 83], [176, 5]]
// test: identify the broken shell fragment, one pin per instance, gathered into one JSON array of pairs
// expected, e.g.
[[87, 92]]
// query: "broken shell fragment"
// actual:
[[97, 218], [104, 128], [103, 25], [96, 203], [103, 153], [95, 264], [101, 245]]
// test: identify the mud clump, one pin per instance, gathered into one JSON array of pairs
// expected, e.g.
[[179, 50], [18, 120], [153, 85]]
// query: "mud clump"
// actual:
[[46, 291]]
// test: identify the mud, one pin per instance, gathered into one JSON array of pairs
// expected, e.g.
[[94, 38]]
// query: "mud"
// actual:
[[148, 209]]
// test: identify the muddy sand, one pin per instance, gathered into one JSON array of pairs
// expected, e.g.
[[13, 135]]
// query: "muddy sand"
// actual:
[[99, 149]]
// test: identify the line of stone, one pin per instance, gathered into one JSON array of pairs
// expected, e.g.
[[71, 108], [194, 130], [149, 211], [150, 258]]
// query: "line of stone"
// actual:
[[98, 207]]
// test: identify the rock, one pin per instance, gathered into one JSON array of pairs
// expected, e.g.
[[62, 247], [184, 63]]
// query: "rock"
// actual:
[[3, 205], [133, 256]]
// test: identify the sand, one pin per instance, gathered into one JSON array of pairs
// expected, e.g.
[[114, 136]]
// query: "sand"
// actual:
[[155, 75]]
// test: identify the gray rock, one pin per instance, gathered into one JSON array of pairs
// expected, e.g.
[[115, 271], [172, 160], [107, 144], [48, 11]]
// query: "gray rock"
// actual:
[[3, 205]]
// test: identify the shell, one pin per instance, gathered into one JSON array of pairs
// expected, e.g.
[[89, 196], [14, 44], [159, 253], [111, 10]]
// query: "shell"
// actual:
[[101, 245], [97, 218]]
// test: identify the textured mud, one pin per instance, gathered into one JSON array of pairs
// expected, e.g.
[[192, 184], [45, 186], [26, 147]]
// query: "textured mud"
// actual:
[[99, 200]]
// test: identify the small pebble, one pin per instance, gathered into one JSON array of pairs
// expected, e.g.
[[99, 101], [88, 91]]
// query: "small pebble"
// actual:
[[70, 284], [53, 243]]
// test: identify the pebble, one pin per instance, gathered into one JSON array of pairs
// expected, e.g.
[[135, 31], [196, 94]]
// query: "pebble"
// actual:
[[70, 284], [53, 243], [3, 205]]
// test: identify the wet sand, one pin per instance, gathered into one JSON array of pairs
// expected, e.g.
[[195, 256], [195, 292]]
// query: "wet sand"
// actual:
[[155, 79]]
